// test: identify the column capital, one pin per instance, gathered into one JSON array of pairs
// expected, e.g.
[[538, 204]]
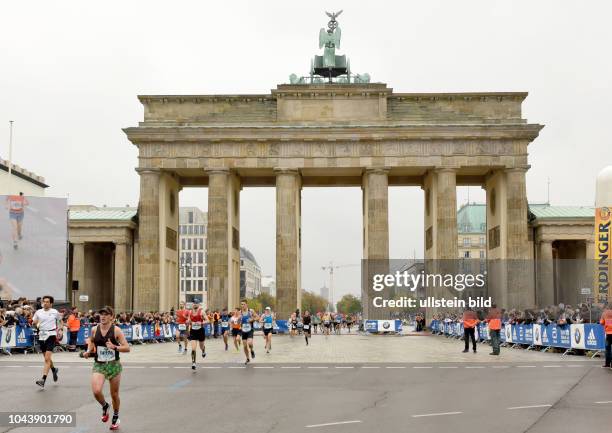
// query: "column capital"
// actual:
[[146, 170], [522, 169], [77, 242], [283, 170], [221, 170], [445, 169], [376, 170]]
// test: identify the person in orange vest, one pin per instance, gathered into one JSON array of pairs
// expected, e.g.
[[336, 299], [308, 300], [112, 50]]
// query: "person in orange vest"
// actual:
[[494, 321], [74, 324], [606, 321], [470, 320]]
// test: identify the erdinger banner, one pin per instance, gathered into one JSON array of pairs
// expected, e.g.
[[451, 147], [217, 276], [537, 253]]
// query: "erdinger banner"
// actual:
[[603, 231]]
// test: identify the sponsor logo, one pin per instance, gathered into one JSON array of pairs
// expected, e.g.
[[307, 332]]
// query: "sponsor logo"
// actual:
[[591, 340], [9, 334], [386, 325], [554, 333], [577, 336], [538, 334]]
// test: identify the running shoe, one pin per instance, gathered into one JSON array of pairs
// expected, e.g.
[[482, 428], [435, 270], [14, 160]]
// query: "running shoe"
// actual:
[[226, 347], [40, 383], [180, 349], [54, 371], [115, 423], [203, 354], [252, 354], [247, 361], [193, 365], [105, 412]]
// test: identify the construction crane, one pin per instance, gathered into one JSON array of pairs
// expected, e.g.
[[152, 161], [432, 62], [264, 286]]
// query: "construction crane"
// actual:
[[330, 267]]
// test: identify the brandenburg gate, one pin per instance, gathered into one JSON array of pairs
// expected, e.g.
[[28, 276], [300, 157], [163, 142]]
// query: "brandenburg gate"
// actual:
[[326, 133]]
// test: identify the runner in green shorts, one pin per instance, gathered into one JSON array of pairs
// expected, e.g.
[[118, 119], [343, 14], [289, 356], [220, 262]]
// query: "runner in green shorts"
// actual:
[[104, 345]]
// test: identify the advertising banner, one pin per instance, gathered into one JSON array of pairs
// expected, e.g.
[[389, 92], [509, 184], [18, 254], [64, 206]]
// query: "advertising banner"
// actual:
[[33, 237], [386, 326], [578, 337], [603, 223], [8, 337], [537, 335]]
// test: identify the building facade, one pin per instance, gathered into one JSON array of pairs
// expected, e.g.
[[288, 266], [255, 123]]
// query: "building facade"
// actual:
[[192, 255], [250, 275], [20, 180], [471, 231]]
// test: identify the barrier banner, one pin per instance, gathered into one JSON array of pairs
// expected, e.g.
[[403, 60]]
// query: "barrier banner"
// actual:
[[371, 326], [507, 334], [577, 335], [595, 337], [537, 335], [167, 331], [136, 333], [8, 337], [603, 233], [560, 336], [25, 337], [386, 326], [281, 326]]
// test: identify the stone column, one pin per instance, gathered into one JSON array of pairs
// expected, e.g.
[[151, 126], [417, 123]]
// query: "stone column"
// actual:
[[546, 281], [441, 243], [375, 188], [223, 239], [78, 274], [288, 242], [520, 282], [121, 284], [148, 289]]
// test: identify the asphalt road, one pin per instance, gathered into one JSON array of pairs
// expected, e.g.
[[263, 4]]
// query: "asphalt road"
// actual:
[[438, 397], [39, 264]]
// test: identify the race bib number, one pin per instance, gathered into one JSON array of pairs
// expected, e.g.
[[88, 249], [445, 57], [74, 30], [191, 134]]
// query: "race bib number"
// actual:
[[306, 327], [267, 326], [327, 322], [105, 354], [224, 324], [196, 326], [246, 327], [182, 326]]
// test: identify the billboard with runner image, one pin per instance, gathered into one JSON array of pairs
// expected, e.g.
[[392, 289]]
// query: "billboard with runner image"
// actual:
[[33, 245]]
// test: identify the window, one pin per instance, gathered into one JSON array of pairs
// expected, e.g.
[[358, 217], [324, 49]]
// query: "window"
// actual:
[[482, 240], [190, 230], [188, 285], [182, 285], [466, 254], [190, 217], [200, 271], [482, 254], [466, 242], [200, 285], [200, 257], [183, 243]]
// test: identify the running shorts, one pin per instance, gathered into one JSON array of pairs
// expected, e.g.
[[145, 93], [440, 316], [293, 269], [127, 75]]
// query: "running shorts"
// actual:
[[247, 335], [267, 331], [197, 334], [110, 369], [236, 332], [48, 344], [17, 216]]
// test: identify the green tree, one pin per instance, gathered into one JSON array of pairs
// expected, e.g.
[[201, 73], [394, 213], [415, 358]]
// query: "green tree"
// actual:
[[313, 303], [267, 300], [349, 304], [255, 304]]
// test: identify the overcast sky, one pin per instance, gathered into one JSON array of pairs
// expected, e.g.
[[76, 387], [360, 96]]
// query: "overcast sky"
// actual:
[[70, 72]]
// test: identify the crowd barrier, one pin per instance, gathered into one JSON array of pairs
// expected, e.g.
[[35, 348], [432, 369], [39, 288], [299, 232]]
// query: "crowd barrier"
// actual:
[[589, 336], [377, 326], [23, 337]]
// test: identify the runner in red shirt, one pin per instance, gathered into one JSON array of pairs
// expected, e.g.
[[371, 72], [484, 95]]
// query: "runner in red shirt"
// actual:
[[182, 315], [16, 205]]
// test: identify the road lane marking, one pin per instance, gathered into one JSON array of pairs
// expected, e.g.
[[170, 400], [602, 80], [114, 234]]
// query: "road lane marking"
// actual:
[[369, 366], [333, 423], [525, 366], [449, 367], [474, 366], [318, 367], [33, 209], [535, 406], [421, 366], [603, 402], [394, 367], [12, 366], [213, 366], [130, 366], [290, 367], [159, 367], [238, 367], [262, 367], [339, 366], [551, 366], [577, 366], [500, 366], [436, 414], [180, 367], [50, 221]]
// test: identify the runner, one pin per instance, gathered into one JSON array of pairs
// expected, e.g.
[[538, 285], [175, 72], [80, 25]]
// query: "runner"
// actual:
[[316, 321], [181, 331], [197, 320], [268, 325], [16, 205], [293, 323], [349, 322], [306, 320], [235, 324], [338, 324], [49, 323], [225, 326], [247, 317], [105, 343], [327, 323]]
